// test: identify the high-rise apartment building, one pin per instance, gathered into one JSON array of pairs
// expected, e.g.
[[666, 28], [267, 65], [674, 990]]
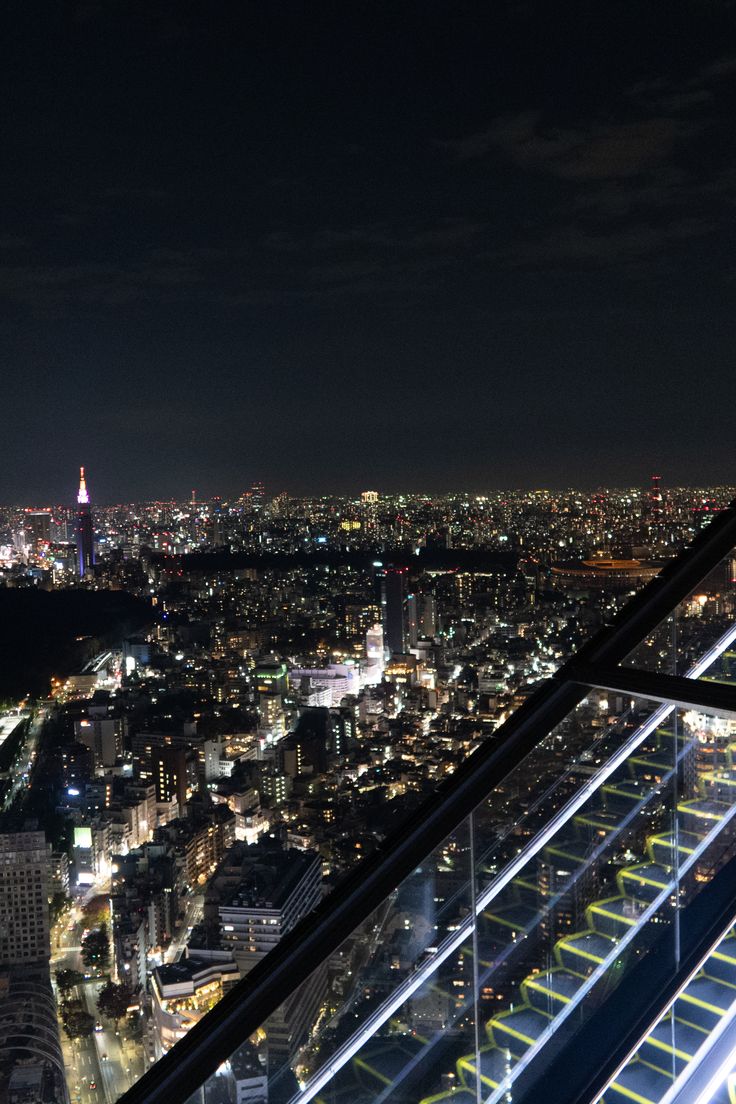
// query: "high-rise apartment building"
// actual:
[[31, 1062], [24, 889], [170, 774], [275, 890], [103, 736]]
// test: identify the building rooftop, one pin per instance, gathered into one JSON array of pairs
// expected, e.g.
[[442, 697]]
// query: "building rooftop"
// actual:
[[269, 877]]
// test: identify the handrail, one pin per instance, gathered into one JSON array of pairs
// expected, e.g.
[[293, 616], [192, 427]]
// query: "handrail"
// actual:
[[241, 1012]]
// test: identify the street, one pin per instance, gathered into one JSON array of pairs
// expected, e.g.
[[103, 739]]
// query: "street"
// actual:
[[103, 1066], [24, 763], [192, 916]]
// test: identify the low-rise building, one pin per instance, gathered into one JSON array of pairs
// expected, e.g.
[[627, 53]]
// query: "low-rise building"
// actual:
[[182, 992]]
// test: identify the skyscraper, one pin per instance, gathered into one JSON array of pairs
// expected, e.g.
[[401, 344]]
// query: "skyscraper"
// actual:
[[85, 539], [24, 910], [656, 502], [393, 596], [38, 525], [257, 496]]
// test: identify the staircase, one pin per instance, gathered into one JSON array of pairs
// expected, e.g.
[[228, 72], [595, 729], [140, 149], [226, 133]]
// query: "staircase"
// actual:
[[544, 993]]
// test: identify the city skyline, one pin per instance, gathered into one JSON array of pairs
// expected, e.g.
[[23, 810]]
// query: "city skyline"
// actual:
[[642, 486], [422, 245]]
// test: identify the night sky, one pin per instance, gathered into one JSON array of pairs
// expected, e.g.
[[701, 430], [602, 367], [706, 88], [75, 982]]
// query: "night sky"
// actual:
[[333, 246]]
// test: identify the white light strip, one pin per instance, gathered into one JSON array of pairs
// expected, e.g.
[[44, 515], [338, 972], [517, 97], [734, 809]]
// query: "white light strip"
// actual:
[[727, 1066], [411, 984]]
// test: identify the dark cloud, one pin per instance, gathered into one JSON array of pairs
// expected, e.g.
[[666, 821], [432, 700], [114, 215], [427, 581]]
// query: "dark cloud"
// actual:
[[605, 151]]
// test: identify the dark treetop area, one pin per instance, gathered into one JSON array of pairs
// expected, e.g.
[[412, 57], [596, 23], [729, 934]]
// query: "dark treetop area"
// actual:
[[45, 634], [427, 245]]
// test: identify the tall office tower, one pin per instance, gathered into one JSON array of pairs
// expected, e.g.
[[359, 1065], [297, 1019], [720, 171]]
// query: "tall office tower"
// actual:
[[24, 908], [369, 510], [656, 501], [393, 595], [427, 615], [412, 619], [38, 525], [257, 496], [85, 538], [218, 536]]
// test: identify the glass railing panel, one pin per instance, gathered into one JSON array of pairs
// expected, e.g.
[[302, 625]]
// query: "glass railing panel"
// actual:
[[369, 1016], [413, 965], [687, 633], [546, 958], [404, 1012]]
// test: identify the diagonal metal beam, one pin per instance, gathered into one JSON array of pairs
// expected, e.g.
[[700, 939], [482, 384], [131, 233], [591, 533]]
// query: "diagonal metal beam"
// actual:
[[688, 693]]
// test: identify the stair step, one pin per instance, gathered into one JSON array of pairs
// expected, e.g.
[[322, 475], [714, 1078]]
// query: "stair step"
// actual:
[[704, 1002], [722, 963], [583, 951], [644, 880], [661, 848], [511, 921], [639, 1083], [668, 1040], [614, 915], [495, 1063], [650, 765], [549, 991], [381, 1063], [702, 814], [574, 851], [517, 1030], [623, 794], [720, 785]]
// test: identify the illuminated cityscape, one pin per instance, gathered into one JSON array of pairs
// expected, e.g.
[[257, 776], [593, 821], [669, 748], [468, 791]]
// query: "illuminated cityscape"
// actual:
[[368, 553], [289, 681]]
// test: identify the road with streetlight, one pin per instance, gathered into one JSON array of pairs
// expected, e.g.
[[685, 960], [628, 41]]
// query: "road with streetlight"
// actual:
[[103, 1066], [26, 757]]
